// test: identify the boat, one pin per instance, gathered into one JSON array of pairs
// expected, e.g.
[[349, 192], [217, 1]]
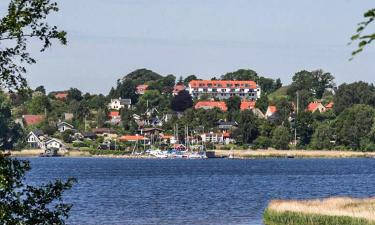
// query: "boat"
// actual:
[[50, 153]]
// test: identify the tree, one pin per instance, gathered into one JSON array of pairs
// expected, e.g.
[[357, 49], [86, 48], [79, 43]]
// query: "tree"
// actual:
[[233, 103], [322, 137], [241, 74], [10, 132], [67, 136], [364, 39], [39, 105], [189, 78], [354, 93], [354, 124], [281, 137], [126, 89], [24, 204], [322, 82], [21, 204], [304, 125], [141, 76], [41, 89], [262, 103], [181, 101], [74, 94], [25, 20], [248, 127], [152, 99]]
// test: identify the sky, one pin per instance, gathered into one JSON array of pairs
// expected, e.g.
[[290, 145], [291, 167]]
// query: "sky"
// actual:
[[107, 39]]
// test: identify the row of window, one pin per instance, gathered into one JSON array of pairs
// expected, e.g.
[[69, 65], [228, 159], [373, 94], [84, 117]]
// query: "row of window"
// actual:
[[222, 90], [227, 85]]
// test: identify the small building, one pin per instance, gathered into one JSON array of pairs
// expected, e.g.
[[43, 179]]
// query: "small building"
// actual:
[[271, 111], [30, 120], [34, 139], [54, 143], [114, 114], [68, 116], [216, 138], [132, 138], [227, 126], [329, 106], [63, 126], [117, 104], [211, 105], [316, 106], [107, 133], [141, 89], [177, 88], [168, 139], [63, 95]]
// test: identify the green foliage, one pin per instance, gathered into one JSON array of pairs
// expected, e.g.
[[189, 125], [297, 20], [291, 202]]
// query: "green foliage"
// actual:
[[354, 124], [25, 204], [181, 101], [39, 105], [364, 39], [322, 137], [67, 136], [263, 142], [304, 125], [241, 74], [247, 130], [293, 218], [10, 132], [74, 94], [24, 20], [262, 103], [141, 76], [281, 138], [152, 99], [41, 89], [233, 103], [354, 93], [189, 78]]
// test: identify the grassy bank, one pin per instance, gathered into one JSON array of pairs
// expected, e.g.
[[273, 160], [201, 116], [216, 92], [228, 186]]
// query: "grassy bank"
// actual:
[[332, 211], [293, 153]]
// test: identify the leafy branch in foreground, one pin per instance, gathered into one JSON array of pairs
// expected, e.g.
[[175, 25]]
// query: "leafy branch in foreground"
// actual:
[[364, 39], [24, 204], [26, 19]]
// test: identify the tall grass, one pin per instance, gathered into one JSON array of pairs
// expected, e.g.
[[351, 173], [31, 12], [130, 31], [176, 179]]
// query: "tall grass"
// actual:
[[332, 211]]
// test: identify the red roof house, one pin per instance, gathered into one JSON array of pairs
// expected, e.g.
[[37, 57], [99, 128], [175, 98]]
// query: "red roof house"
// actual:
[[211, 105], [316, 106], [132, 138], [61, 95], [271, 110], [177, 88], [114, 114], [141, 89], [32, 119], [329, 106], [247, 105]]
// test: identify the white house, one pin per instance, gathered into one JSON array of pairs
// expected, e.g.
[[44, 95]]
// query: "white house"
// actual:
[[63, 126], [54, 143], [217, 138], [118, 104], [34, 139]]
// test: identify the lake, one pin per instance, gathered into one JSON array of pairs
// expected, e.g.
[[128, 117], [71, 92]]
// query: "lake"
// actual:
[[217, 191]]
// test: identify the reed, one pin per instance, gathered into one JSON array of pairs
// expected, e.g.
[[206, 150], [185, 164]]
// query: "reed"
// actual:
[[331, 211]]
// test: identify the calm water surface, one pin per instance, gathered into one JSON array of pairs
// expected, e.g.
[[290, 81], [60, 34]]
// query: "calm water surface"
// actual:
[[136, 191]]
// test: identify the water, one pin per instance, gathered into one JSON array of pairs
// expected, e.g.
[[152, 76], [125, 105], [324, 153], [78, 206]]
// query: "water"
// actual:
[[223, 191]]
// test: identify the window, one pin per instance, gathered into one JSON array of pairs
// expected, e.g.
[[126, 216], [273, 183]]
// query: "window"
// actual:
[[229, 85], [214, 90], [219, 85], [246, 85], [237, 85], [209, 85], [233, 90]]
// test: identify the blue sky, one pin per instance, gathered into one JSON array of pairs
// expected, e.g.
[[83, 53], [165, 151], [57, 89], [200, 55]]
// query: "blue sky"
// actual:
[[110, 38]]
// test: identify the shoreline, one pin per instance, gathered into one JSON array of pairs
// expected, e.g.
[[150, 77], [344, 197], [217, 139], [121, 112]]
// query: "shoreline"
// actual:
[[232, 154]]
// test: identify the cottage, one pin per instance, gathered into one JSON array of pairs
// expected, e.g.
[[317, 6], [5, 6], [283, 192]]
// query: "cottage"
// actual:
[[117, 104], [54, 143], [212, 137], [329, 106], [271, 111], [247, 105], [34, 139], [63, 95], [316, 106], [226, 126], [63, 126], [132, 138], [177, 88], [106, 133]]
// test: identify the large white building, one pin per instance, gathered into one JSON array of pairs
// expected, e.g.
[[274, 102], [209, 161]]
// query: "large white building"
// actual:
[[224, 89]]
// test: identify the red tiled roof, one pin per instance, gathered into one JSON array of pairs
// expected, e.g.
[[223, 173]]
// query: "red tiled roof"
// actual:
[[271, 109], [329, 105], [226, 134], [167, 136], [313, 106], [114, 114], [32, 119], [132, 138], [223, 84], [247, 105], [61, 95], [103, 130], [210, 105], [177, 88]]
